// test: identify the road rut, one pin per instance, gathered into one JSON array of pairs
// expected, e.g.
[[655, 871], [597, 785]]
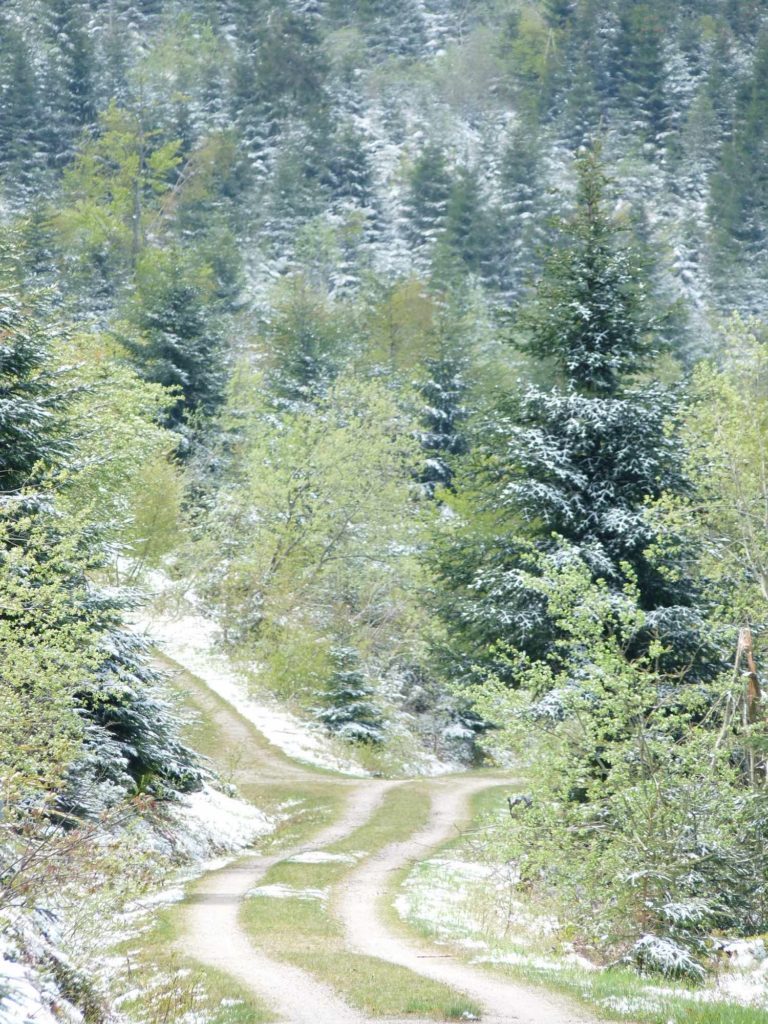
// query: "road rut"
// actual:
[[213, 935]]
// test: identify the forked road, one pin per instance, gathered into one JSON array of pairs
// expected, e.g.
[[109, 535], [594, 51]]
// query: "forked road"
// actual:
[[213, 935]]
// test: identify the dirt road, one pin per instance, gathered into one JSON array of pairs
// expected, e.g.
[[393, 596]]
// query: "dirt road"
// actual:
[[367, 932], [213, 934]]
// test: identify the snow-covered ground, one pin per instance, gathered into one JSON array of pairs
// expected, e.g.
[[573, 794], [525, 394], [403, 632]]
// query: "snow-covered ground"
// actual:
[[189, 639], [211, 821], [469, 904], [38, 949], [324, 857], [26, 996], [278, 891]]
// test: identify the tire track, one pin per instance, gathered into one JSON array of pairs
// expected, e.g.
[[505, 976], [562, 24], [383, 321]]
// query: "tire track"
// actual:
[[213, 934]]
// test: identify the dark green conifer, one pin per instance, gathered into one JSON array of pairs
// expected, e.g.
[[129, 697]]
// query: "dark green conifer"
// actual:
[[428, 195], [571, 467], [349, 705]]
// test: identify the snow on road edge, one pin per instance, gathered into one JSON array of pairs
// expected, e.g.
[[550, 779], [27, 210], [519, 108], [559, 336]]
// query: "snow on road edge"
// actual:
[[190, 640], [209, 828]]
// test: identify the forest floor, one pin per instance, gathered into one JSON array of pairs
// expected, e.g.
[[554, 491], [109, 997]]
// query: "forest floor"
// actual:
[[306, 925]]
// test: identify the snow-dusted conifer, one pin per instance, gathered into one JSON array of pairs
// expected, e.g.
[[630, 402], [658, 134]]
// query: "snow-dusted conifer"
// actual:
[[572, 466], [443, 411], [428, 195], [349, 706]]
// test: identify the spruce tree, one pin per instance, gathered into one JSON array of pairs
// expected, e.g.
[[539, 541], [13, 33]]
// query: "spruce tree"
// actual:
[[467, 229], [69, 85], [739, 191], [31, 439], [393, 27], [571, 467], [178, 345], [349, 174], [290, 66], [443, 413], [428, 196], [557, 12], [520, 227], [643, 70], [349, 708], [21, 109]]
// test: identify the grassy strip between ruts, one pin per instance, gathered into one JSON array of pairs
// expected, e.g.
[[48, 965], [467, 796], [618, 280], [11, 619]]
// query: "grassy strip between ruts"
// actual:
[[302, 931], [612, 994]]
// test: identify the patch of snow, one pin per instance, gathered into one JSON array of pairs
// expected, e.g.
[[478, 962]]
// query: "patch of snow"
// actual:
[[323, 857], [631, 1005], [745, 953], [465, 869], [28, 992], [20, 1000], [214, 821], [277, 891], [190, 640], [511, 957]]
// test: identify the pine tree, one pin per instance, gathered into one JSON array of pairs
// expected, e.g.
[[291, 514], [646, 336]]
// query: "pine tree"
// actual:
[[393, 27], [428, 196], [31, 441], [349, 706], [350, 175], [557, 12], [178, 344], [467, 229], [644, 75], [571, 467], [443, 412], [69, 86], [22, 155], [520, 229]]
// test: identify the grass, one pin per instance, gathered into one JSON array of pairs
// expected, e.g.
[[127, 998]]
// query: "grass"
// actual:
[[619, 995], [164, 987], [305, 933], [167, 986]]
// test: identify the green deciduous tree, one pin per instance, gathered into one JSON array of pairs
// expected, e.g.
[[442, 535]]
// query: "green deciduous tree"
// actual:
[[312, 545], [726, 430], [114, 191], [641, 830]]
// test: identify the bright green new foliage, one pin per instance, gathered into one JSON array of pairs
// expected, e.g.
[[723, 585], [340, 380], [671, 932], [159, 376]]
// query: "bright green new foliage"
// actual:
[[643, 832]]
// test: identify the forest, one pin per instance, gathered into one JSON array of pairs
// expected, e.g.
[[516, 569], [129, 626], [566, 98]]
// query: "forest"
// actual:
[[420, 349]]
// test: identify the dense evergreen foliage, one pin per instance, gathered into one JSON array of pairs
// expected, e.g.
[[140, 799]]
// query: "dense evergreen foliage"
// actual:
[[572, 466]]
